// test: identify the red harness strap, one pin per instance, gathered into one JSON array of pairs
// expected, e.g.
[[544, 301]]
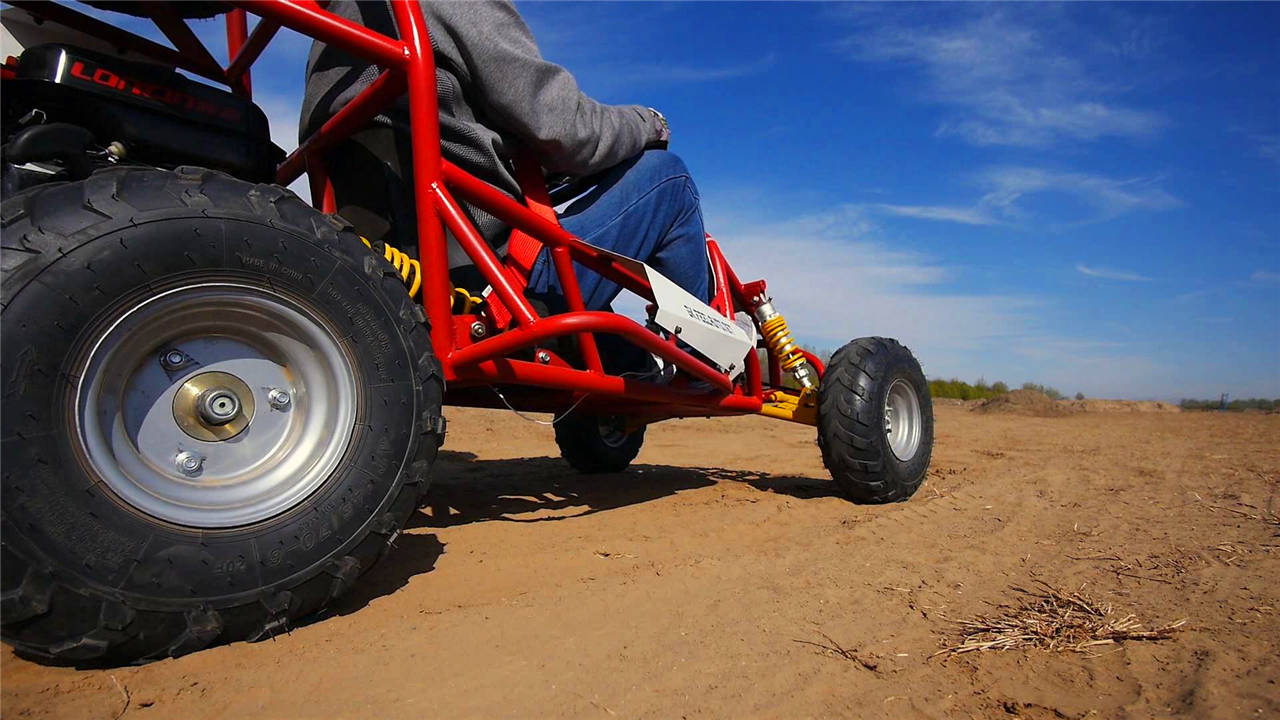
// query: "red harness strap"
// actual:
[[523, 249]]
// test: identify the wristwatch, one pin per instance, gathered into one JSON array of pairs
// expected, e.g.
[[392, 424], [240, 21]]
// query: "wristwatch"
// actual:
[[664, 130]]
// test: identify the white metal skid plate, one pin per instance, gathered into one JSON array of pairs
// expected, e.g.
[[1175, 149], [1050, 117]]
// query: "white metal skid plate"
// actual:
[[725, 342]]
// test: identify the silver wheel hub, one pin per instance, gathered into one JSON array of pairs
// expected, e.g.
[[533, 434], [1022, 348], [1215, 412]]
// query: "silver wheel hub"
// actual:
[[216, 405], [213, 406], [903, 420]]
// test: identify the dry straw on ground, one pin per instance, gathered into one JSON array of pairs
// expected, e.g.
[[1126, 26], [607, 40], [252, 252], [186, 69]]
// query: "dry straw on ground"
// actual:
[[1051, 619], [835, 649]]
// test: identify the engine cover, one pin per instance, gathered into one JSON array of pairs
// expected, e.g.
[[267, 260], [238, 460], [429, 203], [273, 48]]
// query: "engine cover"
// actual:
[[160, 116]]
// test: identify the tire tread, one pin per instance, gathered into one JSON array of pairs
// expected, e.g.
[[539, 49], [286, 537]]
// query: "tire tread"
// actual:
[[39, 224], [848, 436]]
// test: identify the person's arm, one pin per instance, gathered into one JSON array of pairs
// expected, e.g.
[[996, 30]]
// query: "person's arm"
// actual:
[[537, 101]]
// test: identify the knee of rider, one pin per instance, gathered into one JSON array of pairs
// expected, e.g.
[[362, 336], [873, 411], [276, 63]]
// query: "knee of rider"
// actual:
[[662, 166], [663, 162]]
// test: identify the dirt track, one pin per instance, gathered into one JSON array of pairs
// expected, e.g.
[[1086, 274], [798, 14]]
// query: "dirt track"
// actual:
[[680, 588]]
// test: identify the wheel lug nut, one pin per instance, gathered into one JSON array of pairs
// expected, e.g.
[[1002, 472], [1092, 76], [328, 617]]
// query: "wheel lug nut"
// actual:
[[279, 399], [188, 463], [172, 359]]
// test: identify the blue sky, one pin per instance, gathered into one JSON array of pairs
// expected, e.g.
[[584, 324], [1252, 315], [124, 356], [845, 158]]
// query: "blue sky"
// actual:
[[1084, 195]]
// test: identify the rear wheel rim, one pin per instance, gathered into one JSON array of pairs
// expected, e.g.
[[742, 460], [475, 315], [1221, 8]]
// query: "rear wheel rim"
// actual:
[[903, 420], [151, 391], [612, 432]]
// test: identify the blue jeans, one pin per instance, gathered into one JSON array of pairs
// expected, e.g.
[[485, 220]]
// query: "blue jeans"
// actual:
[[646, 208]]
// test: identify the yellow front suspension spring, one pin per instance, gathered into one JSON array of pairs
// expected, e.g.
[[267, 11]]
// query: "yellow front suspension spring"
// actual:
[[410, 270], [778, 337]]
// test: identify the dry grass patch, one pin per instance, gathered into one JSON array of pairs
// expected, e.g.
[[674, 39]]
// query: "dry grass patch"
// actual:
[[1050, 619]]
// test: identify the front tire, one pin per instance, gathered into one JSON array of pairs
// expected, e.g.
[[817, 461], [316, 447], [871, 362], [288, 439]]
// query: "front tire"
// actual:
[[160, 493], [875, 421]]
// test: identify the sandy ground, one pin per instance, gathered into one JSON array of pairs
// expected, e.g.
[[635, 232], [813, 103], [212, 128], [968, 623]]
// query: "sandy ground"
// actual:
[[681, 588]]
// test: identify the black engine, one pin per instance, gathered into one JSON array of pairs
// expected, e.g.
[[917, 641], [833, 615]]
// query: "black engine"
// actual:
[[68, 110]]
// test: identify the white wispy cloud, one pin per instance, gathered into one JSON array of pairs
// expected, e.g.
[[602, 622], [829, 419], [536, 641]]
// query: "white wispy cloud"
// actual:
[[1004, 81], [1111, 274], [675, 74], [1098, 368], [837, 279], [1108, 196], [1265, 276], [1268, 146], [1192, 296], [838, 275], [1005, 190], [963, 215]]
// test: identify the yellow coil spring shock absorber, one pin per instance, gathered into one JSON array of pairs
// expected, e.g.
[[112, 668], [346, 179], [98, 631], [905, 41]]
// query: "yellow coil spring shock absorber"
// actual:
[[783, 346], [410, 270], [411, 273]]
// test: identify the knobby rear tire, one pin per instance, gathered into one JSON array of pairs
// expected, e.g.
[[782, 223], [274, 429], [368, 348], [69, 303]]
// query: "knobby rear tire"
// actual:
[[86, 578]]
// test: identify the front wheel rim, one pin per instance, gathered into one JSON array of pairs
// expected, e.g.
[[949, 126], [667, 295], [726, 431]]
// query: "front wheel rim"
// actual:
[[150, 390], [903, 420]]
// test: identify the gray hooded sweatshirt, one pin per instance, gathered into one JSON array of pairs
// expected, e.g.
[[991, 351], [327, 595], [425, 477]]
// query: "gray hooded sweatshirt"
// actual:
[[495, 89]]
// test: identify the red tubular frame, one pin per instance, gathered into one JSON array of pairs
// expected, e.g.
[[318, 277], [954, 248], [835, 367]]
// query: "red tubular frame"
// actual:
[[243, 52], [408, 67], [237, 36]]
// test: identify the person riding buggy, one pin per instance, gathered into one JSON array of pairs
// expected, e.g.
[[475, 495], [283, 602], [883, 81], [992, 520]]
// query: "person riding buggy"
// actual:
[[222, 403]]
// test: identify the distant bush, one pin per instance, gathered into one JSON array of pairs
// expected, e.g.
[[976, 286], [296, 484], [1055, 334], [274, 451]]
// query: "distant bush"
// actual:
[[1079, 396], [1051, 392], [1250, 404], [980, 390], [961, 390]]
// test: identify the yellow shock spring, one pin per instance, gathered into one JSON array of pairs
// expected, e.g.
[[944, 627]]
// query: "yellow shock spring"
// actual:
[[410, 270], [411, 273], [469, 301], [778, 337]]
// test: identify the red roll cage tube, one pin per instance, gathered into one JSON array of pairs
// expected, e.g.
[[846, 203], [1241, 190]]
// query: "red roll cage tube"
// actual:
[[469, 364]]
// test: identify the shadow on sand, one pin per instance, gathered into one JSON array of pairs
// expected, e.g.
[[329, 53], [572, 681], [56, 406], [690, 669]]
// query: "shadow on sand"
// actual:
[[467, 490]]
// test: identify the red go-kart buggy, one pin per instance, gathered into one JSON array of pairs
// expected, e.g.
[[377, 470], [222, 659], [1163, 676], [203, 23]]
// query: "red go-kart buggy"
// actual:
[[221, 404]]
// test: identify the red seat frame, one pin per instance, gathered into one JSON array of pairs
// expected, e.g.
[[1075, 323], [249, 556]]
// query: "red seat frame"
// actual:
[[470, 365]]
